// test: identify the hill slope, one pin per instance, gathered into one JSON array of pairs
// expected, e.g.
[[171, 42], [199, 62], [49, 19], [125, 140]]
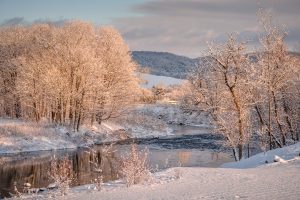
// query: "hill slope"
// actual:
[[164, 64]]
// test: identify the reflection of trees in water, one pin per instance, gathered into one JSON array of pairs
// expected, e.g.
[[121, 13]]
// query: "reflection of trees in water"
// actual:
[[83, 165], [184, 157], [20, 173], [36, 173], [214, 156]]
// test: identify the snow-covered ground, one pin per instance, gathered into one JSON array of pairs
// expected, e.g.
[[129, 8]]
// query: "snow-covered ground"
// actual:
[[280, 180], [152, 80], [172, 114], [286, 153], [139, 125], [20, 136]]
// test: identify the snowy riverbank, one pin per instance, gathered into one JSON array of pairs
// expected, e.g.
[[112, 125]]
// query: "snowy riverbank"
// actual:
[[17, 136], [143, 121]]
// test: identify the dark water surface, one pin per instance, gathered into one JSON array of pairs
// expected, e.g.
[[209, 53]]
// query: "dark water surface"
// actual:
[[195, 147]]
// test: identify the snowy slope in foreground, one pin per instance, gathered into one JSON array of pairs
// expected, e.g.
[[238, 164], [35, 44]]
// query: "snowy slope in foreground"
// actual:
[[277, 182], [287, 153], [273, 181], [153, 80]]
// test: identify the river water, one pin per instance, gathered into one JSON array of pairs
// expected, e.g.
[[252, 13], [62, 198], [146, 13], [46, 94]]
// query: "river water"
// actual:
[[189, 147]]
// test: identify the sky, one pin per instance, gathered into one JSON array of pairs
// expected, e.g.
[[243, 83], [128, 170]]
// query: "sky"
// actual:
[[178, 26]]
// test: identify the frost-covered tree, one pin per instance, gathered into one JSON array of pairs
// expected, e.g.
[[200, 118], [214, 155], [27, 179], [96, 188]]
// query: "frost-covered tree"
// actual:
[[12, 45], [277, 71], [69, 74], [247, 93], [119, 83], [221, 87]]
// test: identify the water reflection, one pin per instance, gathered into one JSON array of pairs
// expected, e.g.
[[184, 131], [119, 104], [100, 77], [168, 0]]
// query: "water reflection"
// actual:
[[36, 170]]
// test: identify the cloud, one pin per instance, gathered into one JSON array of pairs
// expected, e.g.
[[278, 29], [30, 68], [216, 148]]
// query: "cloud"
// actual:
[[13, 21], [184, 26], [21, 21], [54, 22], [231, 7]]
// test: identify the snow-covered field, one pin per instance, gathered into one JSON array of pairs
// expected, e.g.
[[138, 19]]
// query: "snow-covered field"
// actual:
[[152, 80], [276, 181]]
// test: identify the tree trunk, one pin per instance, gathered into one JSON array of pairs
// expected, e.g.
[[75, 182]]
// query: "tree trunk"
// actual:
[[271, 142], [287, 118], [78, 121], [239, 113], [240, 147], [18, 111], [240, 123], [283, 138], [248, 150], [235, 154]]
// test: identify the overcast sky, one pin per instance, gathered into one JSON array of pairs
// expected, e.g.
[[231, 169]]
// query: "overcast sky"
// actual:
[[177, 26]]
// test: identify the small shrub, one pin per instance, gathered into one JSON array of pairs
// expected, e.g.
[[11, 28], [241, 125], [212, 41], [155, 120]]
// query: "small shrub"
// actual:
[[62, 174], [16, 191], [26, 188], [133, 167], [98, 182], [177, 173], [147, 96]]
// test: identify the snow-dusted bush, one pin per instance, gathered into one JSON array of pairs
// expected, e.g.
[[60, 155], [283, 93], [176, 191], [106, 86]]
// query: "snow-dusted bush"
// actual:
[[134, 168], [62, 174], [147, 96], [177, 173]]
